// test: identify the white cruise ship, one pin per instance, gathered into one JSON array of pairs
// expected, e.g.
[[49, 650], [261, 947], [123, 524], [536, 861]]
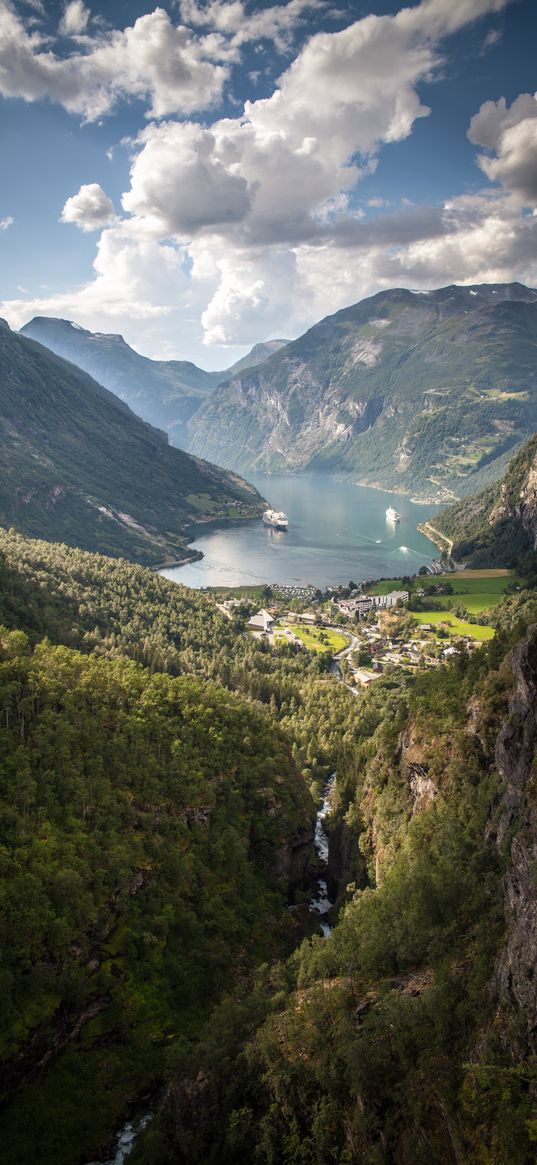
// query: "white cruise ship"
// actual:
[[276, 518], [392, 515]]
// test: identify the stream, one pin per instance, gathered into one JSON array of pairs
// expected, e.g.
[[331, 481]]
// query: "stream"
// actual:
[[321, 904]]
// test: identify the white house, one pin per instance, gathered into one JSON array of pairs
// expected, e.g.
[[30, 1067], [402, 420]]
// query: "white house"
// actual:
[[261, 622], [391, 599]]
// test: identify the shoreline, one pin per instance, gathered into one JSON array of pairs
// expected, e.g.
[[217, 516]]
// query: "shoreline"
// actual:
[[401, 493], [196, 531], [429, 531], [209, 525]]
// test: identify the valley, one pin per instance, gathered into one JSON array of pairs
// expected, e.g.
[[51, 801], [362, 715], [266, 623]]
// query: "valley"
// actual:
[[268, 582], [166, 911]]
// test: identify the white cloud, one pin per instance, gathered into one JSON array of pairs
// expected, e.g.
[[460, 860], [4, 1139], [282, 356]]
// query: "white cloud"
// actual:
[[137, 282], [90, 209], [164, 65], [6, 223], [75, 18], [277, 23], [246, 227], [511, 132], [264, 177]]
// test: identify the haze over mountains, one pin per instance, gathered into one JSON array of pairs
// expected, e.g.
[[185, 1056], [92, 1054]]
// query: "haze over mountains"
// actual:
[[164, 392], [428, 393], [424, 393], [77, 465]]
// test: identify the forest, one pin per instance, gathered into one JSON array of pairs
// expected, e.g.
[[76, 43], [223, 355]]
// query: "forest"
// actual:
[[157, 771]]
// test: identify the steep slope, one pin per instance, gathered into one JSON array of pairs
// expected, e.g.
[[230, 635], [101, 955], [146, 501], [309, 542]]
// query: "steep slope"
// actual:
[[409, 1036], [163, 392], [417, 392], [77, 465], [141, 835], [257, 355], [499, 524]]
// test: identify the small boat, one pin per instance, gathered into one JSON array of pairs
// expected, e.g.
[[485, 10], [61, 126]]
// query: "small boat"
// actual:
[[392, 515], [276, 518]]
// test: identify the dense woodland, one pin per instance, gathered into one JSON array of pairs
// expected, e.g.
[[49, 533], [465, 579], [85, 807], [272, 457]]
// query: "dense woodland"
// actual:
[[156, 768]]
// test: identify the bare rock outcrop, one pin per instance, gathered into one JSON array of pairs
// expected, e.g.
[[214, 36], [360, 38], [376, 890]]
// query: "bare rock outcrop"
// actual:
[[515, 978]]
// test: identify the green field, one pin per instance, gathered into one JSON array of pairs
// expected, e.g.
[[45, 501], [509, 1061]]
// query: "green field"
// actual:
[[310, 637], [453, 625], [477, 590]]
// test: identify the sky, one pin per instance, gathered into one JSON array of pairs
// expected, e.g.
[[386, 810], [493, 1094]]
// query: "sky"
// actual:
[[203, 175]]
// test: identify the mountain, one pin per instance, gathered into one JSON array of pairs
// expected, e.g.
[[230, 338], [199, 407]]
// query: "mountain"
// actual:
[[257, 355], [499, 524], [420, 392], [77, 465], [163, 392]]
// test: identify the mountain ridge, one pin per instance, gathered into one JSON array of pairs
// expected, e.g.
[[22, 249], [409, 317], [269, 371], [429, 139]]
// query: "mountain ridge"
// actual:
[[418, 392], [166, 393], [79, 466]]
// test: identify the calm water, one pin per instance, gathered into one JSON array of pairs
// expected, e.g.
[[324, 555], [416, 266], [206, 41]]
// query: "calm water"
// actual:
[[337, 532]]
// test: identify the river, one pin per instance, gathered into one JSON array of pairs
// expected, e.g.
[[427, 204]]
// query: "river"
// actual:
[[320, 903], [337, 532]]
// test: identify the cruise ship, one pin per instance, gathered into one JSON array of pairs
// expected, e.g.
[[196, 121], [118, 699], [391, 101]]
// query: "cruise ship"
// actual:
[[392, 515], [276, 518]]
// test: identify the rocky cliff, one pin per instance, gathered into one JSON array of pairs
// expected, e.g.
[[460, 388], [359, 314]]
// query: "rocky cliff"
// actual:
[[515, 978], [418, 392]]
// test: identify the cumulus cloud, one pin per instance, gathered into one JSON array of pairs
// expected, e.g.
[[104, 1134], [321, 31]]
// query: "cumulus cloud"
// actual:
[[247, 225], [165, 65], [511, 133], [75, 18], [265, 177], [137, 281], [229, 17], [6, 223], [90, 209]]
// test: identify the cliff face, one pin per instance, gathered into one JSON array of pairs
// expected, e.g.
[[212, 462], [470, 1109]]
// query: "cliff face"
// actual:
[[410, 391], [515, 978]]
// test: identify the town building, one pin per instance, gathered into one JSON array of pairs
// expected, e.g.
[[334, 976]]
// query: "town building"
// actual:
[[262, 621], [383, 602], [359, 606]]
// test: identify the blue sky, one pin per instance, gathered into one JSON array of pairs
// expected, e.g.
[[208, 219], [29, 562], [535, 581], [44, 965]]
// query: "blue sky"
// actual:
[[203, 175]]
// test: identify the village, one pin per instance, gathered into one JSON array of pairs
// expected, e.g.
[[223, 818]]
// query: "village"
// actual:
[[408, 624]]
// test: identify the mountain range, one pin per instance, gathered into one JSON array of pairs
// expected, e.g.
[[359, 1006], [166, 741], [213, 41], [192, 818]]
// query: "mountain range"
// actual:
[[76, 464], [164, 392], [425, 393]]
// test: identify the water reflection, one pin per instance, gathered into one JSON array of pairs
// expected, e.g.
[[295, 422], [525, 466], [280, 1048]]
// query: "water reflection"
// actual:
[[337, 532]]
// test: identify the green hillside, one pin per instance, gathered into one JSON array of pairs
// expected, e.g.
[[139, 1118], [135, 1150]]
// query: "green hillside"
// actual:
[[77, 465], [150, 824], [163, 392], [418, 392], [499, 525]]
